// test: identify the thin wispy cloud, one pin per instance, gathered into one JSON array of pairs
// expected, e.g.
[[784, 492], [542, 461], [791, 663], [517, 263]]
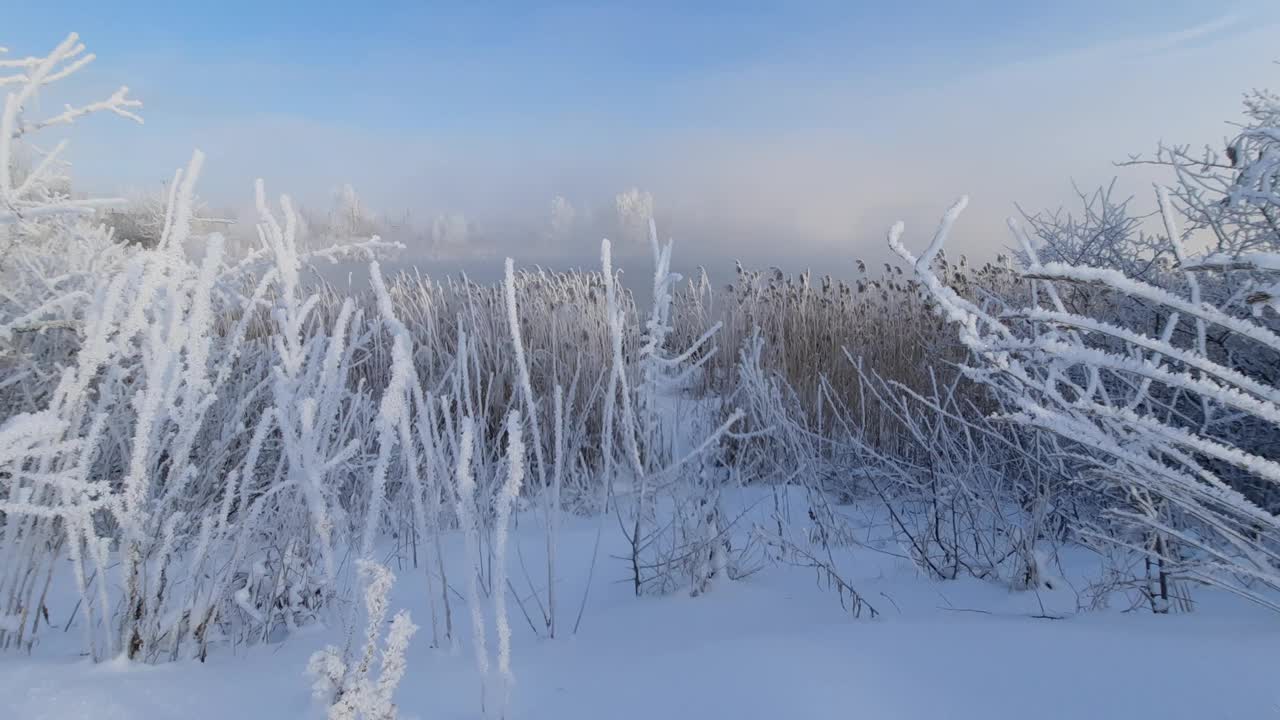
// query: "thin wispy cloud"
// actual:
[[1224, 24]]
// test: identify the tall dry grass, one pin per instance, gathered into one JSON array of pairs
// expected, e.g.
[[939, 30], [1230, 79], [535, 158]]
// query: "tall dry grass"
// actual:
[[822, 337]]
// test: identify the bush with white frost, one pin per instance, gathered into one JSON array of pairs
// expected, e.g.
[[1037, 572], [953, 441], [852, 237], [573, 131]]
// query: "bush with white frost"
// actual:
[[1138, 406], [198, 410], [684, 542], [360, 684]]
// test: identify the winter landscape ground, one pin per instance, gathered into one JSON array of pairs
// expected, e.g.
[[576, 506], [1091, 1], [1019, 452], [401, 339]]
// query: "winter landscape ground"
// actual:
[[775, 645], [1043, 486]]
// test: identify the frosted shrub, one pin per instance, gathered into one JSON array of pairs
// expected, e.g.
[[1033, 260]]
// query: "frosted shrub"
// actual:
[[634, 209], [50, 251], [1231, 192], [979, 496], [199, 410], [692, 539], [171, 471], [1136, 407], [361, 684], [1154, 368], [41, 191]]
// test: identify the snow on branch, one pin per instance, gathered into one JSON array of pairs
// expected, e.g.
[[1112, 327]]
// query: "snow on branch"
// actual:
[[1155, 418], [39, 194]]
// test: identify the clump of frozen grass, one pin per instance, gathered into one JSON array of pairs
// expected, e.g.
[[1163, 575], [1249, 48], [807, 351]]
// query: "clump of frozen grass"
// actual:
[[660, 550], [196, 408], [361, 685], [495, 693], [466, 489]]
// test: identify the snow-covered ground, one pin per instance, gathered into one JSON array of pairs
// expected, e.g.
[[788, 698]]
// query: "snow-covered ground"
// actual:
[[775, 645]]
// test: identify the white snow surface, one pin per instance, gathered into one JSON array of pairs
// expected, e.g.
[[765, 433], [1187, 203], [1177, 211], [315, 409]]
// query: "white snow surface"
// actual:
[[773, 646]]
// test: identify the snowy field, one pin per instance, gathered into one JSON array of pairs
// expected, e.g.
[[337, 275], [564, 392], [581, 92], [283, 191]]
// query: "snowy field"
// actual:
[[772, 646]]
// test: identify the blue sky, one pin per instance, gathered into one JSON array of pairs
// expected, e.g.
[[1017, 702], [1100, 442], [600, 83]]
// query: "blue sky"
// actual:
[[485, 66], [816, 119]]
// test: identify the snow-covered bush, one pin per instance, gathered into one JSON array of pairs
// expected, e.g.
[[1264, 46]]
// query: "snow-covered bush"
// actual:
[[187, 451], [1102, 232], [1155, 367], [1135, 405], [689, 536], [345, 683], [1231, 194], [172, 471], [42, 190], [50, 251]]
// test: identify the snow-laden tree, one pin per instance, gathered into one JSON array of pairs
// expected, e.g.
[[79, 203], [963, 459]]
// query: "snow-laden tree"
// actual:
[[564, 217], [634, 210], [28, 194], [1230, 193], [1154, 359], [450, 235], [50, 247], [1136, 405], [1101, 232]]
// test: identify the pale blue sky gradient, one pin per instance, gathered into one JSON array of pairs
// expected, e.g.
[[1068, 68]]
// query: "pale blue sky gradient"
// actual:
[[818, 122]]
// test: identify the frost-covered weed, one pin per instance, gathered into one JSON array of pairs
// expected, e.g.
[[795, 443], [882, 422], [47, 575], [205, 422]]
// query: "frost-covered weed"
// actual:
[[361, 684]]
